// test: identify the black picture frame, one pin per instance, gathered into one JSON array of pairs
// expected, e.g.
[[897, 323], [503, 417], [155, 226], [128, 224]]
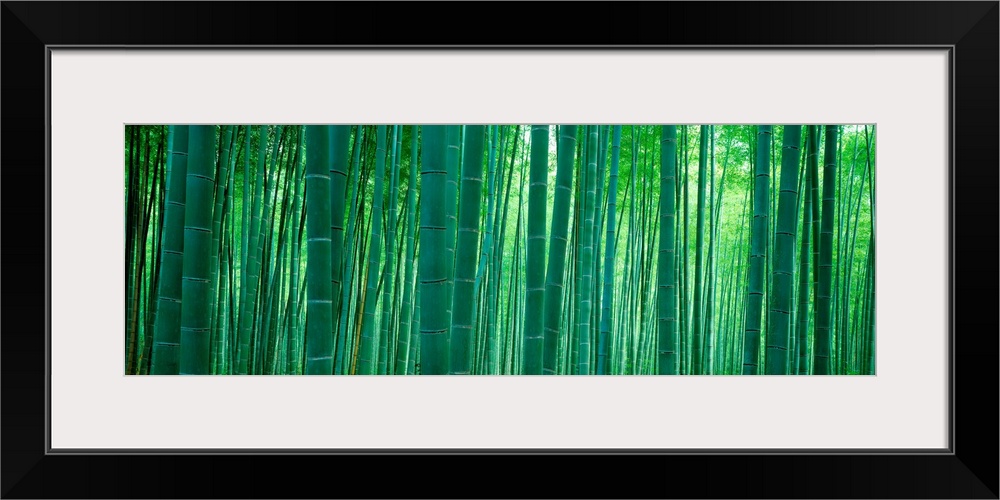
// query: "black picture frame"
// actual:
[[968, 469]]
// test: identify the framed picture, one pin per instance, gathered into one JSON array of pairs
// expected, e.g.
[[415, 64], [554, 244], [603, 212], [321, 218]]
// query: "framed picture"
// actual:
[[659, 250]]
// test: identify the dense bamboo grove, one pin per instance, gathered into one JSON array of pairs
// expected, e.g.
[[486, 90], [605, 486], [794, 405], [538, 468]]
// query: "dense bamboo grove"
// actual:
[[500, 249]]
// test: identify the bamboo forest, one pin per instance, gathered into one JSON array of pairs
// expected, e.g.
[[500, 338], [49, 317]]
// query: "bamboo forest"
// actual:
[[499, 249]]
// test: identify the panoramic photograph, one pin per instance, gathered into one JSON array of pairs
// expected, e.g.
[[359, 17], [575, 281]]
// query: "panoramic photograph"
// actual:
[[503, 249]]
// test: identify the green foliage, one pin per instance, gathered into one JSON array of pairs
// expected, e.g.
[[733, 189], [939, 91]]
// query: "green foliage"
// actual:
[[499, 249]]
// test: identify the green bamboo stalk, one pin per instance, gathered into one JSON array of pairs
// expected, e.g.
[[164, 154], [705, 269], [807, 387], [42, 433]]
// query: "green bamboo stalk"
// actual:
[[487, 247], [647, 347], [758, 251], [821, 352], [596, 290], [639, 266], [339, 147], [131, 207], [266, 243], [579, 212], [849, 286], [278, 309], [435, 321], [220, 316], [367, 356], [467, 251], [586, 234], [222, 172], [319, 292], [231, 296], [697, 321], [708, 351], [870, 298], [685, 302], [835, 330], [166, 335], [742, 274], [390, 254], [252, 276], [666, 276], [134, 202], [616, 337], [816, 206], [150, 242], [277, 248], [870, 331], [412, 365], [485, 263], [716, 234], [340, 366], [266, 250], [398, 257], [452, 157], [404, 352], [603, 358], [515, 300], [500, 231], [783, 267], [534, 332], [294, 337], [804, 255], [196, 288], [557, 247], [629, 279], [248, 187]]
